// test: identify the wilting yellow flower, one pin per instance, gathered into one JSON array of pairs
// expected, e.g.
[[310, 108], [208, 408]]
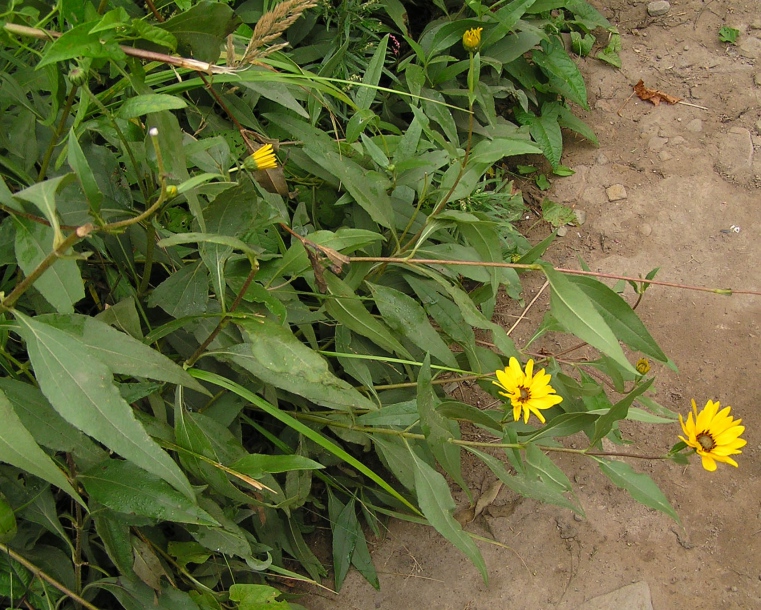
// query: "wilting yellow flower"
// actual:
[[471, 39], [643, 366], [263, 158], [527, 392], [714, 434]]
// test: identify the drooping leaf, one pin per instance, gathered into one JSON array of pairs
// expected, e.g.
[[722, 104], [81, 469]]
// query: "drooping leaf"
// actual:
[[126, 488], [640, 486], [18, 447], [366, 95], [140, 105], [617, 412], [81, 167], [185, 293], [563, 74], [81, 389], [82, 41], [202, 29]]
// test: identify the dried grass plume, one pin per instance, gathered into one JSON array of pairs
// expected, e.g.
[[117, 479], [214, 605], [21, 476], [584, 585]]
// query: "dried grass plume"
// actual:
[[270, 27]]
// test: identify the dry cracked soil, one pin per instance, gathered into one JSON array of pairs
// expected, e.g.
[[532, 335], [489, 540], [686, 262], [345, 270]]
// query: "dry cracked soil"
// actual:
[[690, 173]]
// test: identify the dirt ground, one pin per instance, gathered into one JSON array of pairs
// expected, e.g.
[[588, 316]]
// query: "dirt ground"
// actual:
[[692, 208]]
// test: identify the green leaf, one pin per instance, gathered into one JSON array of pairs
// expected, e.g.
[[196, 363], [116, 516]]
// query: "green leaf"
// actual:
[[202, 29], [8, 527], [366, 95], [640, 486], [79, 164], [567, 119], [256, 465], [405, 315], [436, 502], [125, 488], [43, 195], [344, 523], [122, 354], [557, 214], [437, 429], [491, 151], [564, 425], [278, 358], [549, 491], [81, 41], [140, 105], [347, 308], [257, 597], [618, 411], [18, 448], [728, 34], [577, 314], [154, 34], [61, 285], [81, 389], [113, 532], [562, 73], [47, 426], [185, 293]]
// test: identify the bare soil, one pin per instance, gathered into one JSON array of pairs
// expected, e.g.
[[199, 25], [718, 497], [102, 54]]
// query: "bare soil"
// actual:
[[693, 209]]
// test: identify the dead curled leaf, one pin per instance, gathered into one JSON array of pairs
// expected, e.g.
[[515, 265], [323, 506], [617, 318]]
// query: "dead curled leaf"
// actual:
[[653, 95]]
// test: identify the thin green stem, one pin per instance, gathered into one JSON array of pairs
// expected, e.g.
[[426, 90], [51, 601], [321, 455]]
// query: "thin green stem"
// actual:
[[57, 134], [39, 573]]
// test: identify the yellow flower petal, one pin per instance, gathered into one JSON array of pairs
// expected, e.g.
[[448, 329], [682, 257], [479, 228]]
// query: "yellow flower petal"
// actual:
[[713, 433]]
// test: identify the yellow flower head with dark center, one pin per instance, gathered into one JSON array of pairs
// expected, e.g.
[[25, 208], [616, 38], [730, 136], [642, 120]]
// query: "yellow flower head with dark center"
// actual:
[[263, 158], [528, 393], [471, 39], [643, 366], [714, 434]]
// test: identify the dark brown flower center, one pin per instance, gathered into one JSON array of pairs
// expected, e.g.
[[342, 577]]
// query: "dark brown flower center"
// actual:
[[706, 441], [525, 394]]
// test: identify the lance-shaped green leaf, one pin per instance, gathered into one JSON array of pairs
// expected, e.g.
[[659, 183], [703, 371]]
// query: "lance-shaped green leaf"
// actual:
[[435, 500], [405, 315], [437, 429], [140, 105], [278, 358], [618, 411], [641, 487], [78, 162], [346, 307], [126, 488], [574, 310], [184, 293], [562, 72], [8, 527], [366, 95], [120, 352], [61, 285], [18, 448], [81, 389]]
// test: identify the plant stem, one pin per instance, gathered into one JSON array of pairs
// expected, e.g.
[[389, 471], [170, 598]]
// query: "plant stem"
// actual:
[[43, 576], [57, 134], [45, 264]]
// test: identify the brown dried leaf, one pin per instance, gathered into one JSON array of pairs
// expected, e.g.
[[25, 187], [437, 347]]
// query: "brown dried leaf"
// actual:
[[653, 95]]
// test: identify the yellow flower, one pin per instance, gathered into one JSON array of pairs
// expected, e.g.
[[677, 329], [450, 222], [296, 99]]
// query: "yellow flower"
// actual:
[[263, 158], [471, 39], [643, 366], [714, 434], [527, 392]]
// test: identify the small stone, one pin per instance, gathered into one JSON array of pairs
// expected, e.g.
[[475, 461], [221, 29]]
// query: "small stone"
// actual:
[[758, 126], [665, 155], [657, 143], [695, 126], [658, 8], [686, 47], [577, 517], [757, 79], [602, 159], [677, 140], [645, 229], [734, 589], [562, 231], [750, 48], [581, 217], [616, 192]]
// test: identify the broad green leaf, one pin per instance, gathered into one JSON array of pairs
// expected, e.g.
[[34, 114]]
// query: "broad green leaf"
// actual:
[[569, 120], [43, 195], [576, 312], [122, 354], [557, 214], [34, 502], [539, 465], [113, 532], [184, 293], [435, 500], [491, 151], [439, 113], [140, 105], [438, 430], [278, 358], [188, 552], [257, 465], [79, 164], [618, 411], [344, 523], [563, 74], [346, 307], [405, 316], [546, 132], [366, 95], [123, 316], [47, 426], [61, 285], [640, 486], [126, 488], [202, 29], [18, 448], [154, 34], [564, 425], [133, 594], [619, 316], [81, 389], [81, 41], [454, 409], [529, 487]]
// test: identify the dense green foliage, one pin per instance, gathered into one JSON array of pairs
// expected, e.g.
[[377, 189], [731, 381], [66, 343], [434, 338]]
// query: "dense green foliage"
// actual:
[[203, 365]]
